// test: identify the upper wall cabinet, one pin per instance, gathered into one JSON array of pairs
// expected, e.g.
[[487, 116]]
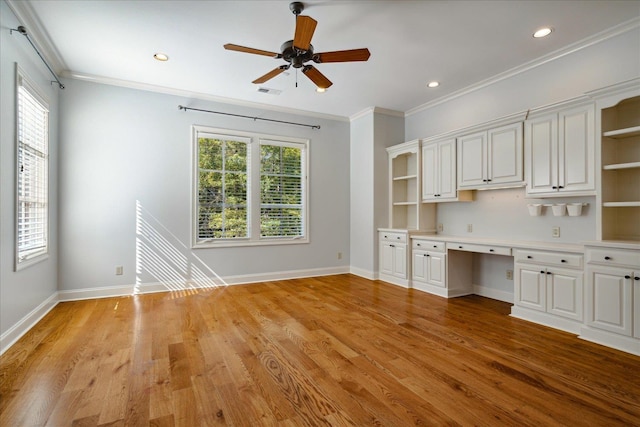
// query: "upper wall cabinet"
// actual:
[[439, 172], [560, 152], [491, 158]]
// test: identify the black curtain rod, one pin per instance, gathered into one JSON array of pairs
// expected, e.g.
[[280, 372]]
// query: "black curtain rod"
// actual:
[[22, 30], [180, 107]]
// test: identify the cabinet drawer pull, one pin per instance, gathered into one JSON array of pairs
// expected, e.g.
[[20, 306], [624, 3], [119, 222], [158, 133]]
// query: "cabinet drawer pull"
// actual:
[[636, 278], [398, 237], [560, 187], [541, 271], [488, 180], [392, 246], [435, 246], [529, 257], [554, 187], [418, 244], [548, 272], [426, 255], [459, 247], [386, 237], [491, 250], [627, 277], [607, 258], [563, 260]]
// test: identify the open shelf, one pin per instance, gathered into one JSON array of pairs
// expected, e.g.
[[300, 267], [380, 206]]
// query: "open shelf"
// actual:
[[623, 133], [406, 177], [630, 165], [621, 204]]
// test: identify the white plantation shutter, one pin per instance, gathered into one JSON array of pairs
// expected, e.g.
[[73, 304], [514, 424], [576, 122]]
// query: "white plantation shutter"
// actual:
[[32, 173], [282, 191]]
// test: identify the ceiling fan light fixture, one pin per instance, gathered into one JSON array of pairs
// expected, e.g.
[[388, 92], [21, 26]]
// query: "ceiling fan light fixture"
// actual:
[[321, 89], [542, 32], [161, 56], [433, 84]]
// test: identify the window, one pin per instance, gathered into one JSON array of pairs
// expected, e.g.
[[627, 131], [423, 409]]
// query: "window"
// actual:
[[249, 189], [32, 219]]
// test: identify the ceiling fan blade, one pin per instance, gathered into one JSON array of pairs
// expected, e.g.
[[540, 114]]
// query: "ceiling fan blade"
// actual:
[[244, 49], [305, 26], [271, 74], [316, 76], [344, 55]]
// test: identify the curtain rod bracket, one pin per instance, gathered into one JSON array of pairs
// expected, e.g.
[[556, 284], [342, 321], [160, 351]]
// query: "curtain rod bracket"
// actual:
[[23, 30], [181, 107]]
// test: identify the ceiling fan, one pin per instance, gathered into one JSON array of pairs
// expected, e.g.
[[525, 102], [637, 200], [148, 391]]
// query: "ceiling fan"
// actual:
[[299, 51]]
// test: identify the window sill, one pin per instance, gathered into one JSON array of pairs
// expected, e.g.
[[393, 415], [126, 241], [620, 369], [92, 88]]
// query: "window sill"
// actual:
[[21, 265], [244, 242]]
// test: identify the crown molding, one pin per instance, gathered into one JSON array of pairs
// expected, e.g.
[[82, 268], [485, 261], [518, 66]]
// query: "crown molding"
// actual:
[[376, 110], [27, 17], [198, 95], [617, 30]]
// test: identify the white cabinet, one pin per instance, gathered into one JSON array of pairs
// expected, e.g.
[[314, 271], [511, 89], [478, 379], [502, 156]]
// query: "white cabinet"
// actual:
[[560, 152], [429, 264], [439, 172], [491, 159], [406, 210], [548, 288], [393, 259]]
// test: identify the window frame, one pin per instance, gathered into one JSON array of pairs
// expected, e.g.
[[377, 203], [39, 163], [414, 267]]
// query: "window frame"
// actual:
[[253, 188], [23, 261]]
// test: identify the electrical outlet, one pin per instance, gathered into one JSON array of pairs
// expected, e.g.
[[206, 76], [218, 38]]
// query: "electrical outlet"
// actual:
[[119, 270], [469, 228], [339, 255], [440, 228], [509, 274], [555, 231]]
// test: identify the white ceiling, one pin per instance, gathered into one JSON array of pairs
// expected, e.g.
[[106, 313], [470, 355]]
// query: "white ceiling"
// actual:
[[459, 43]]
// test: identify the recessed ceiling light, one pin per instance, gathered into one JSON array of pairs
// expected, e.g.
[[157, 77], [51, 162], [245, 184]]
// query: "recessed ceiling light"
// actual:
[[433, 84], [161, 56], [542, 32]]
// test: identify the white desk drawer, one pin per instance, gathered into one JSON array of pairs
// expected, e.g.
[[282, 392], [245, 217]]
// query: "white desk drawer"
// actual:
[[393, 237], [485, 249], [614, 257], [549, 258], [428, 245]]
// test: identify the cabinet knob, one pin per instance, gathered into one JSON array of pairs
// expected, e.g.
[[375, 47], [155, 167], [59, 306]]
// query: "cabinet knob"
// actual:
[[554, 187], [627, 277], [548, 272], [459, 247], [418, 244], [560, 187], [398, 237], [636, 278], [435, 246], [541, 271], [491, 250], [385, 236], [488, 180], [392, 246], [563, 260], [529, 257], [607, 258], [426, 255]]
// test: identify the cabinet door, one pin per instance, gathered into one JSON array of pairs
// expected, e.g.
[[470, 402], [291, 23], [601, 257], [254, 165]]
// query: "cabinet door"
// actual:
[[419, 266], [430, 172], [472, 160], [576, 149], [400, 260], [636, 304], [447, 173], [564, 293], [609, 304], [386, 258], [541, 152], [529, 287], [504, 153], [436, 271]]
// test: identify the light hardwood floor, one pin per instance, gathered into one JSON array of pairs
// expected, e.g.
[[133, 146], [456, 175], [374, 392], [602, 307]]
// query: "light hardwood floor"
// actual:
[[336, 350]]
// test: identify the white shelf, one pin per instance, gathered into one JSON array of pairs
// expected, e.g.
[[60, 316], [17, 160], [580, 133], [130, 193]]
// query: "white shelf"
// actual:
[[623, 133], [621, 204], [406, 177], [630, 165], [405, 203]]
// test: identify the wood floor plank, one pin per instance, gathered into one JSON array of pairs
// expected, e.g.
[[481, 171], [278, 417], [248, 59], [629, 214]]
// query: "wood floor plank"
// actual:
[[335, 350]]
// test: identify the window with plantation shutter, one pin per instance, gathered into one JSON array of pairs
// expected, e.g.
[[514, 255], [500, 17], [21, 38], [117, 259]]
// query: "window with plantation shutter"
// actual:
[[250, 189], [32, 210]]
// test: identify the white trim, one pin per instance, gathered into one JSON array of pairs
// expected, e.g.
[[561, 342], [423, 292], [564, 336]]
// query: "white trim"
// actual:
[[611, 340], [13, 334], [371, 275], [497, 294], [546, 319], [527, 66], [373, 110], [197, 95]]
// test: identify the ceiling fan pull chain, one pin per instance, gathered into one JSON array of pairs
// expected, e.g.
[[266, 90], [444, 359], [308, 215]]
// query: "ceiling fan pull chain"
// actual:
[[296, 77]]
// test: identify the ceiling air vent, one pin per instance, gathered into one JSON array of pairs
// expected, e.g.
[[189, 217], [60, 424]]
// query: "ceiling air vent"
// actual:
[[269, 91]]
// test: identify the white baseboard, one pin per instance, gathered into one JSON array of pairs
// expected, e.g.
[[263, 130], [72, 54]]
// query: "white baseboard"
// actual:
[[27, 322], [371, 275], [492, 293]]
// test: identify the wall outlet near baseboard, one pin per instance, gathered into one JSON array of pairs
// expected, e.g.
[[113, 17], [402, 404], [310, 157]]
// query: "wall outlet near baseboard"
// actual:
[[509, 274], [469, 228], [119, 270], [339, 255]]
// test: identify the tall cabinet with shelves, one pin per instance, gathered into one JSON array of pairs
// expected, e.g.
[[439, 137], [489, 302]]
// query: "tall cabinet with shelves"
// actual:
[[620, 170]]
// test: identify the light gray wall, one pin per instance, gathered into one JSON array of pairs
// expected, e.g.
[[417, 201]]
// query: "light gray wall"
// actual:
[[25, 290], [126, 157]]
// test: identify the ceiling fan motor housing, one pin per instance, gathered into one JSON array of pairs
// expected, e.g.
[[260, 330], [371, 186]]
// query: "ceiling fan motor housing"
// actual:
[[294, 56], [296, 7]]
